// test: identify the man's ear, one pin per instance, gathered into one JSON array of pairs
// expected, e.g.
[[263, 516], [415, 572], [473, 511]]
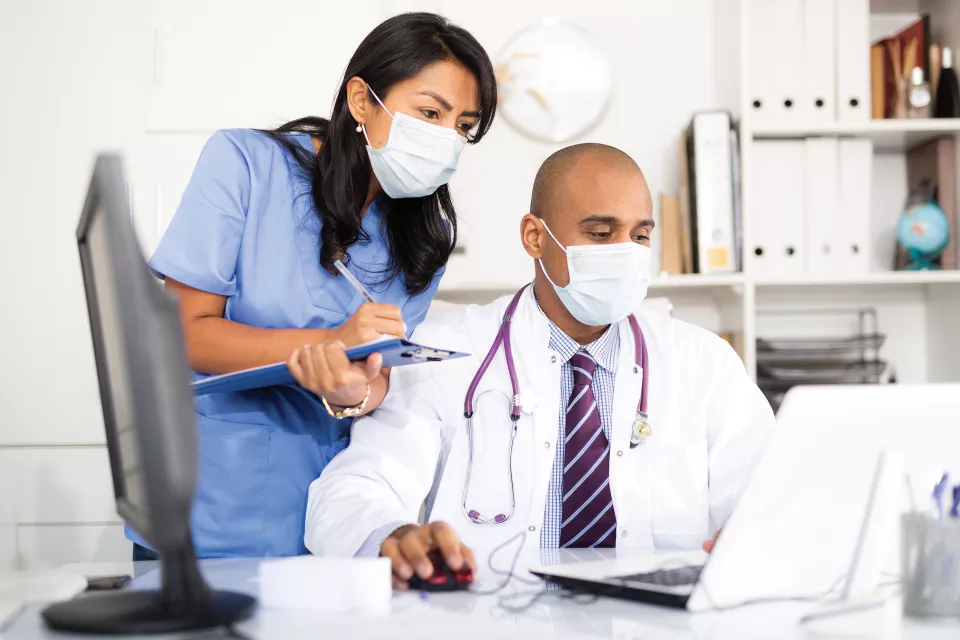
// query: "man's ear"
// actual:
[[357, 99], [530, 233]]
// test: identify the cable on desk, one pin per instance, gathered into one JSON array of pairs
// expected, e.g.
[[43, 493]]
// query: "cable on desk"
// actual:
[[577, 597], [510, 574]]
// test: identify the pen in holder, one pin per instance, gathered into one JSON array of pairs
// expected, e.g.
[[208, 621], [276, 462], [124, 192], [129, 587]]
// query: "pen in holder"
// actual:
[[930, 557]]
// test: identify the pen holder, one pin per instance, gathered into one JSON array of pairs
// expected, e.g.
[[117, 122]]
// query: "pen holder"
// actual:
[[930, 562]]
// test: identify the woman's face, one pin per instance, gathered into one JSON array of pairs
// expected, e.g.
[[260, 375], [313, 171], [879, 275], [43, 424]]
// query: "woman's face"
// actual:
[[445, 94]]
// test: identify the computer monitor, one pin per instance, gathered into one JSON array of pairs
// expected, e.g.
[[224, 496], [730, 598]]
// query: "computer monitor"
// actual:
[[149, 421]]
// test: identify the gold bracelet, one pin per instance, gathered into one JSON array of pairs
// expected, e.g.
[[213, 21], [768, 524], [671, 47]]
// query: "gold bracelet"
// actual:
[[349, 412]]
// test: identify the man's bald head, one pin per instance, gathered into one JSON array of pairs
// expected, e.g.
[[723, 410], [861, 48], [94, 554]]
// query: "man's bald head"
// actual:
[[582, 172]]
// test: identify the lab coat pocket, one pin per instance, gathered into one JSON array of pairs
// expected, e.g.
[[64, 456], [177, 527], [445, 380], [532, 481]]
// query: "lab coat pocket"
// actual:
[[679, 496], [230, 504]]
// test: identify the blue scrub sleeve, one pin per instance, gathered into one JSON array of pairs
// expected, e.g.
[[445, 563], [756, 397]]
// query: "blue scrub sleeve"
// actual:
[[201, 245], [415, 310]]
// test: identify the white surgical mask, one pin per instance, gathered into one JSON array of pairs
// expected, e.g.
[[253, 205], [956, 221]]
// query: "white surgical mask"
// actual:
[[418, 158], [607, 281]]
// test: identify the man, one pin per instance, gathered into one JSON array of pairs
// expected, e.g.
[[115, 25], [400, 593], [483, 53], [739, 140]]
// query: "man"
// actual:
[[580, 467]]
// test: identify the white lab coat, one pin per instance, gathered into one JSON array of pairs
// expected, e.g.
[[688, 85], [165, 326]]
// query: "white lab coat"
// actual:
[[710, 423]]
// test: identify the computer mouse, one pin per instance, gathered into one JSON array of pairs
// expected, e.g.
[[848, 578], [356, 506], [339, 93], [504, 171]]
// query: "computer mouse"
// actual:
[[443, 578]]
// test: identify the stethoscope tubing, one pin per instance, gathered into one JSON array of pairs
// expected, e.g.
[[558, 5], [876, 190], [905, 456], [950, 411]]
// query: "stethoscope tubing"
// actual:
[[503, 338]]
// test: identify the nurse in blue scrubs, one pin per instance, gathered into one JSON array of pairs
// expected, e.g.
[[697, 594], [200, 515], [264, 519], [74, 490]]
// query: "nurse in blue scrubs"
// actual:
[[250, 256]]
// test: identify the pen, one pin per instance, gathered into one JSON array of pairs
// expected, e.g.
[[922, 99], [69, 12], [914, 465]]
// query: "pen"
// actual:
[[955, 509], [938, 491], [356, 284]]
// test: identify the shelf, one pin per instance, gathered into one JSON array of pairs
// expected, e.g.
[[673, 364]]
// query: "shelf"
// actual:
[[887, 135], [696, 281], [870, 279], [692, 284]]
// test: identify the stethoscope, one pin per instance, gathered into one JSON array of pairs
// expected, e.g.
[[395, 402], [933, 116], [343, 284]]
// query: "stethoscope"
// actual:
[[641, 426]]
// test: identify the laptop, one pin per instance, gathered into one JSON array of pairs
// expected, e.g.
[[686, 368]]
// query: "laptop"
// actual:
[[820, 514]]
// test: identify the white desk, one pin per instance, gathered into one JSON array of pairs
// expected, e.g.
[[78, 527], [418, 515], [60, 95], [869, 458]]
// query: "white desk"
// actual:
[[464, 616]]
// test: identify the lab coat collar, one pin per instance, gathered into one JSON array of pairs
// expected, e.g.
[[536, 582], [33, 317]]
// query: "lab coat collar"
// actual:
[[604, 350]]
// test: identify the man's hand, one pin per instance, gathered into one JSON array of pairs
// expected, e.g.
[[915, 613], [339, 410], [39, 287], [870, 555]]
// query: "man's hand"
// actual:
[[710, 544], [408, 546]]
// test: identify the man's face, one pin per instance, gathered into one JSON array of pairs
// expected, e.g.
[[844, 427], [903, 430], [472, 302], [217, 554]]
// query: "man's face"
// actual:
[[594, 204]]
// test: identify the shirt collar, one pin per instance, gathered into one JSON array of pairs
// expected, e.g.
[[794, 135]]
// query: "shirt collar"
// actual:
[[605, 349]]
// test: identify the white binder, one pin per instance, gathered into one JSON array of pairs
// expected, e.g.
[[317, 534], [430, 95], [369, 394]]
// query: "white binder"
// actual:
[[776, 201], [820, 59], [711, 199], [761, 61], [856, 175], [787, 53], [822, 206], [853, 60]]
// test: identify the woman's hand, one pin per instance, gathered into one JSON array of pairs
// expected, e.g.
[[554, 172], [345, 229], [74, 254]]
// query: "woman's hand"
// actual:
[[369, 322], [325, 370]]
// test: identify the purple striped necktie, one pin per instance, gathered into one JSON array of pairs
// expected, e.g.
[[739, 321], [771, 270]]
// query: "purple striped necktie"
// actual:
[[587, 517]]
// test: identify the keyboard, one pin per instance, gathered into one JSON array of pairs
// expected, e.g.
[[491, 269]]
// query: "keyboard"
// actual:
[[675, 577]]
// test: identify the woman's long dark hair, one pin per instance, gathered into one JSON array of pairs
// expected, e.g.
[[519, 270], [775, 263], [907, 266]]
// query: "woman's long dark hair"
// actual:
[[421, 233]]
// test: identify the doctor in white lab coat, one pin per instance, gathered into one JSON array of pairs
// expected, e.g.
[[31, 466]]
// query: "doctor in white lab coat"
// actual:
[[589, 234]]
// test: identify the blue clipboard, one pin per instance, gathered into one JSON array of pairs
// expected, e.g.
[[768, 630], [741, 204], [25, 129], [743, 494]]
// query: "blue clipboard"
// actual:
[[396, 353]]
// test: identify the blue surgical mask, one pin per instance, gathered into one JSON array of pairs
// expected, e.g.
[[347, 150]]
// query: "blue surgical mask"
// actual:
[[418, 158]]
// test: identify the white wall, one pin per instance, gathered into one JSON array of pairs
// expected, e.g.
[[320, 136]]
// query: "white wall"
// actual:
[[666, 58], [69, 73], [662, 56]]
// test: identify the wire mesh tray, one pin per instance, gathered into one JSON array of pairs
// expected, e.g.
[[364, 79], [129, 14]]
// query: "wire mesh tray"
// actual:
[[825, 347], [805, 359], [828, 372]]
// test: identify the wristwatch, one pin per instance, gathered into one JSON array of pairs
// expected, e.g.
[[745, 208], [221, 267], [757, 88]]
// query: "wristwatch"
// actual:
[[349, 412]]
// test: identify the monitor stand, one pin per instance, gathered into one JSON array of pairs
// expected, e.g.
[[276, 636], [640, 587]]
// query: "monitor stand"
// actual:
[[184, 603]]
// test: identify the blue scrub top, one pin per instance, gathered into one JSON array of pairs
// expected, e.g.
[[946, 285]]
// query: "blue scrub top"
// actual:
[[247, 229]]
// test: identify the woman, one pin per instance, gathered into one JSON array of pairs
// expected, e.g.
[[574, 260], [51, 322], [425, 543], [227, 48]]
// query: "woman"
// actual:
[[250, 255]]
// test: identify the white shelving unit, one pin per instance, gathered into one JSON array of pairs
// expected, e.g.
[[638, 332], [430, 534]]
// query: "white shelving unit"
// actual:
[[918, 311], [921, 301], [888, 136]]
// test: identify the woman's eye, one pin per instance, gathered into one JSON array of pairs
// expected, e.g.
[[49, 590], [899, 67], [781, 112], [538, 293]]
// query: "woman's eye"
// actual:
[[430, 113]]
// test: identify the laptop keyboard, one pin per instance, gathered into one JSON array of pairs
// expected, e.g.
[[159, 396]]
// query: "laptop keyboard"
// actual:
[[676, 577]]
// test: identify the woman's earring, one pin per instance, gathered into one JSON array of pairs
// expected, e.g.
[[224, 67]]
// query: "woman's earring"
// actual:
[[359, 128]]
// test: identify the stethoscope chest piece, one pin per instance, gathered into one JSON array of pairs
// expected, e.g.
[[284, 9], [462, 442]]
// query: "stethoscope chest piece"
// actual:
[[641, 429]]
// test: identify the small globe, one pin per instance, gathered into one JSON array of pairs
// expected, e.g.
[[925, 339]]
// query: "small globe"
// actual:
[[924, 230]]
